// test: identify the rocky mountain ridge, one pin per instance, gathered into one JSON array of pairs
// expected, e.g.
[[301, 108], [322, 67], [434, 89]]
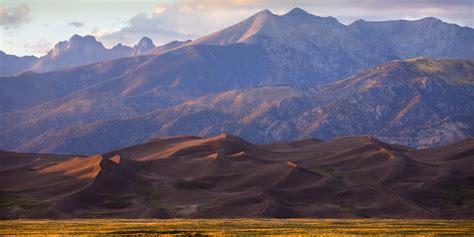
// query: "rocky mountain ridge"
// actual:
[[417, 102], [77, 51]]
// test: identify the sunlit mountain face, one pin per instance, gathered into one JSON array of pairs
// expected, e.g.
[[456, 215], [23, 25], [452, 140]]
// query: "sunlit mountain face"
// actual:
[[277, 115]]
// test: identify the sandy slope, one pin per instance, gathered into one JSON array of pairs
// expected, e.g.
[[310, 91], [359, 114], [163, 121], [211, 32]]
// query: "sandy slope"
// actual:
[[225, 176]]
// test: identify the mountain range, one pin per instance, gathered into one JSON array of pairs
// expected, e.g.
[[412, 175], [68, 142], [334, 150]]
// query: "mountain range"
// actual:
[[421, 102], [268, 78], [227, 177], [322, 47], [77, 51], [11, 64], [324, 50]]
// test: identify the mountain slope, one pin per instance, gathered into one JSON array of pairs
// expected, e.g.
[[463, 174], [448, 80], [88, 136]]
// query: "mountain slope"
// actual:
[[167, 47], [30, 89], [10, 65], [225, 176], [417, 102]]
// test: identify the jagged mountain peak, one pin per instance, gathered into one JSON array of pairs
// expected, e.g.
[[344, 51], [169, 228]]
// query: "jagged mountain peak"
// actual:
[[286, 29], [266, 13], [81, 41], [358, 22], [78, 41], [256, 22], [120, 46], [145, 41], [78, 50], [242, 31], [430, 19], [76, 44], [298, 13], [145, 44], [77, 37], [306, 17]]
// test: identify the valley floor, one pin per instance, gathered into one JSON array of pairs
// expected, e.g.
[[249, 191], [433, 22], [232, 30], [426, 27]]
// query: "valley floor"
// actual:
[[236, 227]]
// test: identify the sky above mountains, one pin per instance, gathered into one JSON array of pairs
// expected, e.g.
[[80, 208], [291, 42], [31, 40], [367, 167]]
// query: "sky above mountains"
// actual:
[[32, 27]]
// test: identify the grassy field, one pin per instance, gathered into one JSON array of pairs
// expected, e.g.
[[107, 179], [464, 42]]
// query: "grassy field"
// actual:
[[237, 227]]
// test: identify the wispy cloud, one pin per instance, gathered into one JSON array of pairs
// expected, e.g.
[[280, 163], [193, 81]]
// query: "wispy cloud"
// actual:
[[76, 24], [14, 17], [178, 20], [39, 48], [156, 26]]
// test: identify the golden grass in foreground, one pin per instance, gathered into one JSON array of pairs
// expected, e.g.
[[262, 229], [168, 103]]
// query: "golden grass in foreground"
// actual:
[[236, 227]]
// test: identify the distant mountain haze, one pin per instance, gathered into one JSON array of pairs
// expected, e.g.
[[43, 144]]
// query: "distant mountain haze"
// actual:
[[85, 50], [11, 64], [74, 52]]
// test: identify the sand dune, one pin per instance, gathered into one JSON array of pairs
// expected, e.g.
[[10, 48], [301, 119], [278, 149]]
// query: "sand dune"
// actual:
[[225, 176]]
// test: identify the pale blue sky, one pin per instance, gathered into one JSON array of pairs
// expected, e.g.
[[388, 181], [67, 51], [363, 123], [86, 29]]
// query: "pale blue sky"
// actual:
[[34, 26]]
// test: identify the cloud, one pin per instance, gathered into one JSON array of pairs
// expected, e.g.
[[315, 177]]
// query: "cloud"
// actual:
[[76, 24], [14, 17], [154, 26], [39, 48], [179, 20]]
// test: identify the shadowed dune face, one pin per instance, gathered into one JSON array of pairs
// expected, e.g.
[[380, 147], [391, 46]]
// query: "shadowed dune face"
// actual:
[[225, 176]]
